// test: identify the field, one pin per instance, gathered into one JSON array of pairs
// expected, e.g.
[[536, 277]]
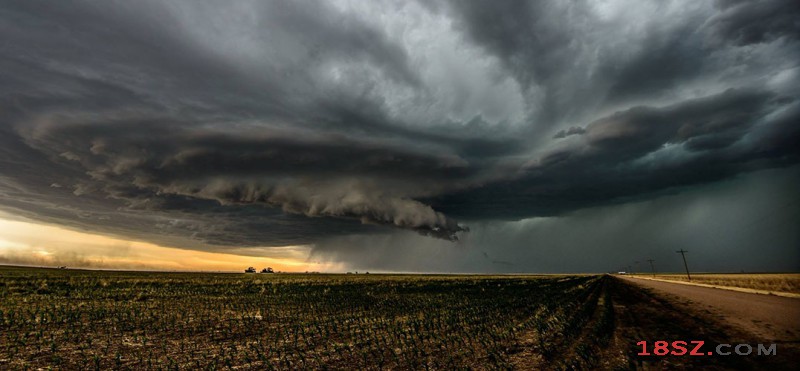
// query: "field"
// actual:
[[774, 282], [73, 319]]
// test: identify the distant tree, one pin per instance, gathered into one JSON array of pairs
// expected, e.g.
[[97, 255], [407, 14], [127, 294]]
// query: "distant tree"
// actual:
[[250, 270]]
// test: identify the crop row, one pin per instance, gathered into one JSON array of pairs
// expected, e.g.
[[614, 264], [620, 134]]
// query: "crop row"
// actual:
[[174, 321]]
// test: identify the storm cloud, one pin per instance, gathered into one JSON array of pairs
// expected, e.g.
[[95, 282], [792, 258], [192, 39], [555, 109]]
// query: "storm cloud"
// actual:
[[205, 126]]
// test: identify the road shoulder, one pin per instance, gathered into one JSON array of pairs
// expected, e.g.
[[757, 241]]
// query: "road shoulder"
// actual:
[[730, 288], [646, 314]]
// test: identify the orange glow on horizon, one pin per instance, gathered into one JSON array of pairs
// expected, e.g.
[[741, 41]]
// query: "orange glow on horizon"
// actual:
[[30, 243]]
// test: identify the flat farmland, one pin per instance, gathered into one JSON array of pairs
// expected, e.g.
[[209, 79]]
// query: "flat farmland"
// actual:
[[772, 282], [77, 319]]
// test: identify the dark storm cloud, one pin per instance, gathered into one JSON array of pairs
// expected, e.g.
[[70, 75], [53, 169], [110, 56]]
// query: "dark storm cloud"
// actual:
[[575, 130], [743, 22], [743, 224], [276, 123], [639, 152]]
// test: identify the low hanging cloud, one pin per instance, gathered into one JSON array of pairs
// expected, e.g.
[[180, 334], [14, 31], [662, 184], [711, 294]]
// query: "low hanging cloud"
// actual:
[[308, 174], [575, 130], [275, 123]]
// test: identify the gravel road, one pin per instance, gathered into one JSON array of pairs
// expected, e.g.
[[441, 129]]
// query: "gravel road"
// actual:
[[770, 317]]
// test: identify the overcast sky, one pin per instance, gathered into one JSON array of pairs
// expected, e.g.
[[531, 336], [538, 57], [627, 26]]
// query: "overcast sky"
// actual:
[[448, 136]]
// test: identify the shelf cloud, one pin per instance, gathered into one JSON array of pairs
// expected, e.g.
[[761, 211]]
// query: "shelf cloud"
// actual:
[[281, 123]]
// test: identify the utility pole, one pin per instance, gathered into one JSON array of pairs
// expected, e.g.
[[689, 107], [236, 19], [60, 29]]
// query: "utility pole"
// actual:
[[683, 254], [652, 267]]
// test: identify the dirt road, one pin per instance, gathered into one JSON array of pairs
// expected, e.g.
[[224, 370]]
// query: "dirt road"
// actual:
[[769, 317]]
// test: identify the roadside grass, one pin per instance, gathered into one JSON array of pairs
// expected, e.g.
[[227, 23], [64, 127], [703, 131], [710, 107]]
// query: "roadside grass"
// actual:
[[97, 320], [773, 282]]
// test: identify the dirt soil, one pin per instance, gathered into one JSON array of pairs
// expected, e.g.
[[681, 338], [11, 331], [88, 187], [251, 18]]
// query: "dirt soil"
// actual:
[[770, 317], [651, 311]]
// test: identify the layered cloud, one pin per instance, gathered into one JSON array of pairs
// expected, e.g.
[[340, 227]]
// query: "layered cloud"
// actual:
[[283, 123]]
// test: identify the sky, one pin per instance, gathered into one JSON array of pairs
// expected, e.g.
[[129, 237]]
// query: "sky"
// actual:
[[415, 136]]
